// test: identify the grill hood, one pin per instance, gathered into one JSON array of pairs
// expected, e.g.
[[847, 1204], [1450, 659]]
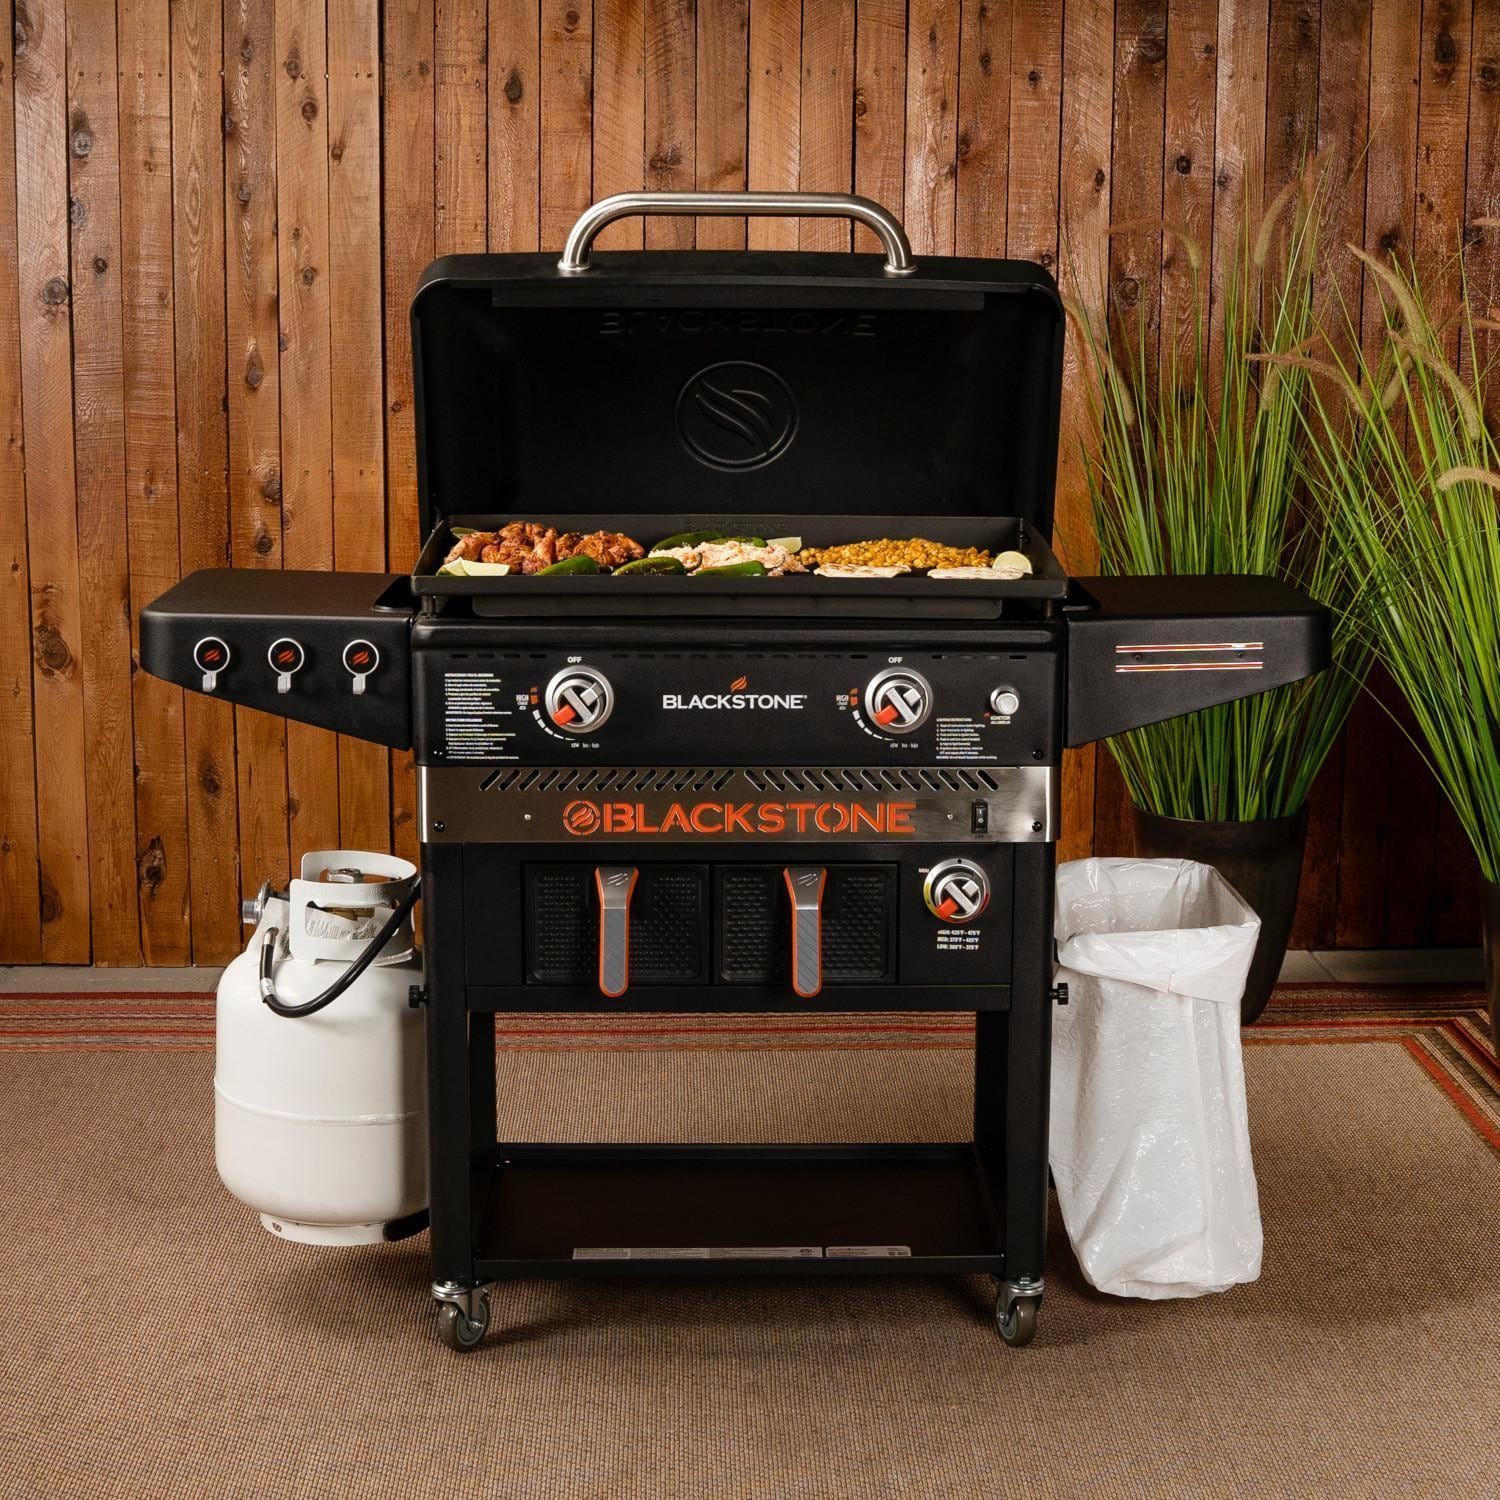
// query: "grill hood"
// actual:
[[796, 383]]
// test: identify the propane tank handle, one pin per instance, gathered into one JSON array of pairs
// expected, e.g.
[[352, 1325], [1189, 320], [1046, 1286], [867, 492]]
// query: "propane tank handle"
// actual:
[[309, 1007], [898, 257]]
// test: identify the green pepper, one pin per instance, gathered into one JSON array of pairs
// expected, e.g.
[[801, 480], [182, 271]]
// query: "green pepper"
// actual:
[[688, 539], [748, 541], [650, 565], [734, 570], [580, 563]]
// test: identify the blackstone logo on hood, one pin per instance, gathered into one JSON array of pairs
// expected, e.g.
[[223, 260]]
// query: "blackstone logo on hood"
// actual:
[[736, 415]]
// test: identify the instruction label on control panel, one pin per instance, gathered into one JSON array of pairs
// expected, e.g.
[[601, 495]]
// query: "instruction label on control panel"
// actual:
[[477, 718], [961, 739]]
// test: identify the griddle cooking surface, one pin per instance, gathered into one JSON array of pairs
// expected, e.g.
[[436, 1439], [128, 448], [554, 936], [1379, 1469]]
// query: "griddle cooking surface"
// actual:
[[912, 594]]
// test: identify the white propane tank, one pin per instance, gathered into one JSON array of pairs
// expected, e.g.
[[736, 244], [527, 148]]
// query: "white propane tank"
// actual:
[[321, 1120]]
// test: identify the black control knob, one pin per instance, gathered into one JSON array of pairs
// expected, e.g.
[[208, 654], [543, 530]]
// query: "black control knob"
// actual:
[[286, 656], [360, 659], [956, 890], [579, 699], [211, 656], [898, 700]]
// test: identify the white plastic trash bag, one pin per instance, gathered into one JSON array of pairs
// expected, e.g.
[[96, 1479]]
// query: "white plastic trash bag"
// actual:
[[1150, 1138]]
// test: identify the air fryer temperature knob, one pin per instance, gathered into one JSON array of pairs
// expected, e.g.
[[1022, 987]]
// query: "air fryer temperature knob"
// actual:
[[956, 890], [579, 699], [898, 700]]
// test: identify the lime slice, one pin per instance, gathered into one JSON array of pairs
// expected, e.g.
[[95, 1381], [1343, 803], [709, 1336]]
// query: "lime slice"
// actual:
[[462, 568], [791, 543]]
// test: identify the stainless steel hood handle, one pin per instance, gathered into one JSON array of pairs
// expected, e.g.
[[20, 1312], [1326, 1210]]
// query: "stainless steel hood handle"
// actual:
[[898, 259]]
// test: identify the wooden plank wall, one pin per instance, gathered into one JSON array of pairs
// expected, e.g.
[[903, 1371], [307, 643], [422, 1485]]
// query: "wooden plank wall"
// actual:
[[212, 213]]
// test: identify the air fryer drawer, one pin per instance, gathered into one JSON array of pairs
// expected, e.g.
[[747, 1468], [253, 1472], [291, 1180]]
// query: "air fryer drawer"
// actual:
[[752, 930], [669, 924]]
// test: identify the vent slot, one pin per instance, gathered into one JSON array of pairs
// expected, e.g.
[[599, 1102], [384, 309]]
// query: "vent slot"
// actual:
[[764, 780]]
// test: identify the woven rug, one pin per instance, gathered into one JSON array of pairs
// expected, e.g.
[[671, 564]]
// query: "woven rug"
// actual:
[[161, 1344]]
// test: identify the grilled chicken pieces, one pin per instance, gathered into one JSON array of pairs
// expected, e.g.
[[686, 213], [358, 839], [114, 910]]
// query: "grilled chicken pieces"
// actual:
[[526, 547], [610, 549]]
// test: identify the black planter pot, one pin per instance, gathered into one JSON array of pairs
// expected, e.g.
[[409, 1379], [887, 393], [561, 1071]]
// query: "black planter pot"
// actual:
[[1262, 860], [1490, 905]]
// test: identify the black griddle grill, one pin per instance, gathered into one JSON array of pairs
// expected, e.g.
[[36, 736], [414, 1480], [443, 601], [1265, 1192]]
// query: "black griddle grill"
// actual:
[[768, 795]]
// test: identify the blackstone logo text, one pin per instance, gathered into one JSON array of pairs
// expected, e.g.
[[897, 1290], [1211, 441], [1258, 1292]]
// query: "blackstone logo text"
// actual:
[[734, 700]]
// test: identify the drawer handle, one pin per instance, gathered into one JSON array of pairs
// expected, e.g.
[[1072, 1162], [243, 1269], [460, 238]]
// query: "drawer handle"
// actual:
[[616, 885], [805, 885]]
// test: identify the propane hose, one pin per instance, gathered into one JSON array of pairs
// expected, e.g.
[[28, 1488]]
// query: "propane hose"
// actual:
[[372, 948]]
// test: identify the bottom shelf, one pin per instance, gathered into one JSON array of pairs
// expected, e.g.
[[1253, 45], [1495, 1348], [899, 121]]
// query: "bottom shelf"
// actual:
[[714, 1210]]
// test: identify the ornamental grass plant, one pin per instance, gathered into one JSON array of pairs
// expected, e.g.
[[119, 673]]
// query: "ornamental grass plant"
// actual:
[[1195, 461], [1409, 476]]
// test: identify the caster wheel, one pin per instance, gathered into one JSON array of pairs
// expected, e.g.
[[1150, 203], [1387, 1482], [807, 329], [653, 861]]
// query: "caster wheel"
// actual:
[[459, 1331], [1018, 1328]]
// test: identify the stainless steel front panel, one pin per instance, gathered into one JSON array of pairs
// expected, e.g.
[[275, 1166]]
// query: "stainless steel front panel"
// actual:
[[708, 805]]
